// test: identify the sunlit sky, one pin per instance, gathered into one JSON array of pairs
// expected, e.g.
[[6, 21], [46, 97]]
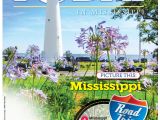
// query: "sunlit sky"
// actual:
[[25, 26]]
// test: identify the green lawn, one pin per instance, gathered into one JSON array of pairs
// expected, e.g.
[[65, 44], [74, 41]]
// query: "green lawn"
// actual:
[[85, 65]]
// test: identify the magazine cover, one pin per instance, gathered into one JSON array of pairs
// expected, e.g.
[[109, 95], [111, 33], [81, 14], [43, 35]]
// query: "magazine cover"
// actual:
[[80, 60]]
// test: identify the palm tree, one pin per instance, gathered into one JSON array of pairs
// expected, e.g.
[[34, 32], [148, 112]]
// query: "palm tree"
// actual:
[[144, 53]]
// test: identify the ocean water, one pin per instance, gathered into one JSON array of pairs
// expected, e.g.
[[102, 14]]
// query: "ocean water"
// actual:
[[113, 57], [129, 57]]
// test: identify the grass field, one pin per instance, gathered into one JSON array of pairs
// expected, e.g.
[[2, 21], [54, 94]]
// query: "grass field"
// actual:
[[85, 65]]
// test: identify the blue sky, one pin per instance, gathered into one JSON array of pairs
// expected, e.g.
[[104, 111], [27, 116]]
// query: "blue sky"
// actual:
[[25, 26]]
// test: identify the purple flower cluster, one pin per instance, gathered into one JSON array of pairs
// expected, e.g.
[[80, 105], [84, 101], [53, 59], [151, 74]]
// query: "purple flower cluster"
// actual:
[[33, 51], [43, 68], [147, 82], [19, 70], [26, 93], [52, 75], [15, 72], [153, 65], [102, 37], [117, 66], [30, 92], [40, 93]]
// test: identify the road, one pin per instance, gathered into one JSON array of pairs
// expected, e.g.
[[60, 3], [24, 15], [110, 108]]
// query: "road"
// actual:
[[91, 73]]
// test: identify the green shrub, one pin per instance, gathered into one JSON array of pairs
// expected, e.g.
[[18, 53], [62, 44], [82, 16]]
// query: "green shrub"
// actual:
[[82, 66], [84, 101], [59, 99]]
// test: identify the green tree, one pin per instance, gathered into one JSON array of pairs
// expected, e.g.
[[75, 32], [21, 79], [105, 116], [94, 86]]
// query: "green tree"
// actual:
[[146, 15], [9, 53], [68, 55]]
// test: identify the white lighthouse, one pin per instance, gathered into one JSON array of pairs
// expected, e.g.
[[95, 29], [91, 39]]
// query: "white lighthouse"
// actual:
[[53, 36]]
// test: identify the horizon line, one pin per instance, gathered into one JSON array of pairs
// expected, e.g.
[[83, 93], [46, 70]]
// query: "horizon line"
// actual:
[[82, 6], [41, 52]]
